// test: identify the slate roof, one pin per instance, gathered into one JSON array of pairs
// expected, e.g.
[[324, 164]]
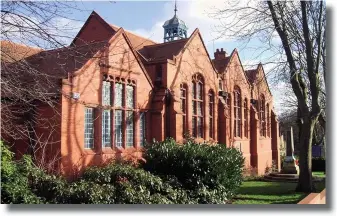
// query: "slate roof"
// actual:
[[251, 74], [163, 51], [138, 42], [175, 21]]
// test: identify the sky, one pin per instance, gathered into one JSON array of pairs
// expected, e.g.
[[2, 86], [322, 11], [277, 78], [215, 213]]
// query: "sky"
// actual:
[[147, 17]]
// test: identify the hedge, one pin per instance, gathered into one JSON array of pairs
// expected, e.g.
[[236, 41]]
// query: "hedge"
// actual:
[[173, 174], [213, 171]]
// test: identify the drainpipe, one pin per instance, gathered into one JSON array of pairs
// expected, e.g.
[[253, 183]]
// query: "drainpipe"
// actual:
[[168, 97]]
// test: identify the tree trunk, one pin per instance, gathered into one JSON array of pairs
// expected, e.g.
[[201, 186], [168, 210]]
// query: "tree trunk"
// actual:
[[305, 183]]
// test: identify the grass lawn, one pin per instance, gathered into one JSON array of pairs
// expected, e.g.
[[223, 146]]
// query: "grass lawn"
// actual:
[[319, 174], [259, 192]]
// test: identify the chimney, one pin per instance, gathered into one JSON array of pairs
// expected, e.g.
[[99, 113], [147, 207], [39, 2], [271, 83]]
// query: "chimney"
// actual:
[[220, 55]]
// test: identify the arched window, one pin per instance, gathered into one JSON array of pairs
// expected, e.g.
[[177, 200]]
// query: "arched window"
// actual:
[[211, 113], [183, 106], [197, 107], [262, 116], [237, 112], [268, 120], [245, 119]]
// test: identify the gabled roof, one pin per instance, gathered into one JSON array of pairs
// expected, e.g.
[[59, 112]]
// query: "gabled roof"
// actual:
[[12, 52], [253, 75], [227, 62], [138, 42], [260, 66], [137, 58], [163, 51], [46, 68], [194, 34], [117, 33], [99, 18]]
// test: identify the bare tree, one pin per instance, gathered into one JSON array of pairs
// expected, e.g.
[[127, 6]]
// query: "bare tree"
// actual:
[[294, 32], [31, 76], [25, 89]]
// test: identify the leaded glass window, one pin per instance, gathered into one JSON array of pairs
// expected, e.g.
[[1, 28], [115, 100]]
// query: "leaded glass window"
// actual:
[[129, 96], [246, 117], [237, 111], [142, 128], [199, 86], [268, 120], [197, 107], [200, 127], [89, 128], [118, 95], [106, 128], [183, 105], [118, 128], [118, 120], [211, 113], [129, 128], [106, 93], [262, 116]]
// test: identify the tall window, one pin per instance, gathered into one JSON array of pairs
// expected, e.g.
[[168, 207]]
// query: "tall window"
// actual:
[[129, 128], [124, 109], [268, 120], [245, 105], [121, 108], [142, 128], [197, 106], [183, 105], [211, 113], [262, 116], [237, 112], [119, 98], [118, 128], [89, 128], [106, 118]]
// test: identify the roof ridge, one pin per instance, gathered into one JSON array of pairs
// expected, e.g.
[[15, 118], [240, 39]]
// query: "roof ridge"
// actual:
[[115, 26], [169, 42]]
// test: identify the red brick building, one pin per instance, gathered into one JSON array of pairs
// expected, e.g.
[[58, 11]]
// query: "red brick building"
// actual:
[[117, 90]]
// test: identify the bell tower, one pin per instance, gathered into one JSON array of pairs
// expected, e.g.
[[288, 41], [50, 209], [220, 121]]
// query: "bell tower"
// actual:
[[174, 28]]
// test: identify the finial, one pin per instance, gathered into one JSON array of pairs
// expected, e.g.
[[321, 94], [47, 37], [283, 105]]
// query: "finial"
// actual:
[[175, 7]]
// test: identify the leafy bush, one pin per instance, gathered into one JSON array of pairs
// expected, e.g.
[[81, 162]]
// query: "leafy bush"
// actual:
[[52, 188], [134, 185], [14, 179], [198, 167], [186, 174]]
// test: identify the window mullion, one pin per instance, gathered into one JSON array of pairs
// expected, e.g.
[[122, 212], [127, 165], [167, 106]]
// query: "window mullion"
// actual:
[[124, 114]]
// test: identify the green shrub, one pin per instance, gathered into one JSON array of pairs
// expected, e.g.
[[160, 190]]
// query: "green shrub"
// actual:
[[186, 174], [14, 179], [134, 185], [52, 188], [89, 193], [216, 168]]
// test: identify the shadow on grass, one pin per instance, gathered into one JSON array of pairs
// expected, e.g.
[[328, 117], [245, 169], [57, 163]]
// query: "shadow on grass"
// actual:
[[273, 188], [259, 192]]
